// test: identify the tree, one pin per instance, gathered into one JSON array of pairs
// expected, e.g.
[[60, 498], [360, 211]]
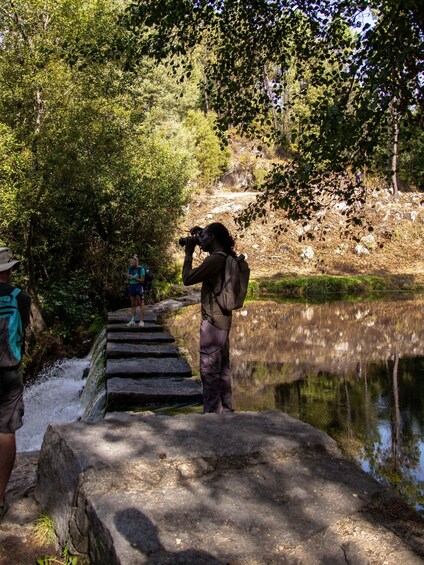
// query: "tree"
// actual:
[[411, 165], [96, 156], [358, 76], [211, 156]]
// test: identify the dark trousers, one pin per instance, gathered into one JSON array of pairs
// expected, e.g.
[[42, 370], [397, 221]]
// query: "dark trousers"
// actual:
[[215, 369]]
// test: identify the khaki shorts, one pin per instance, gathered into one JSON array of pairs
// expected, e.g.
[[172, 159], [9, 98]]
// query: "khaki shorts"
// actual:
[[11, 400]]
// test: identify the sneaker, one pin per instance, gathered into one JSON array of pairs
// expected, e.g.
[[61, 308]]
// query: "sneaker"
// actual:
[[131, 323], [141, 324]]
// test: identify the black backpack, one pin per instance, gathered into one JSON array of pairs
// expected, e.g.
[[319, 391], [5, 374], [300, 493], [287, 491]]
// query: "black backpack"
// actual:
[[148, 278]]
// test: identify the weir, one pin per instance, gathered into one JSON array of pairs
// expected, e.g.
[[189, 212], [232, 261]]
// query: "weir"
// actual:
[[139, 488], [137, 367], [143, 369]]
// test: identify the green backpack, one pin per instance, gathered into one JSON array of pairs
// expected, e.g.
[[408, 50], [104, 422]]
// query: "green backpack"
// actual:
[[10, 330]]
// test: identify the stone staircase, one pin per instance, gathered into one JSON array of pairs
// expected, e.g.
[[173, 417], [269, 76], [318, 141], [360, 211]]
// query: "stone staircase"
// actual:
[[144, 367]]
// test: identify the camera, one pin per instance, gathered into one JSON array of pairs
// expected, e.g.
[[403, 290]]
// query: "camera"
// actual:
[[196, 232]]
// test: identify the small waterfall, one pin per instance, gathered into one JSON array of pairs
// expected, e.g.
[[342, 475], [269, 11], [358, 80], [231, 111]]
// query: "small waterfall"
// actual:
[[54, 398], [61, 395]]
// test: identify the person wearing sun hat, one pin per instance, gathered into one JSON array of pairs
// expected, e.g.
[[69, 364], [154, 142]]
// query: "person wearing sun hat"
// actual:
[[11, 378]]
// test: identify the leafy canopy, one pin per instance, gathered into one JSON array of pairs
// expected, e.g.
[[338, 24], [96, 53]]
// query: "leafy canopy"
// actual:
[[361, 56], [95, 159]]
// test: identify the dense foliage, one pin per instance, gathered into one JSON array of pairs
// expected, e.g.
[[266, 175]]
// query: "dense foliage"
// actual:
[[95, 158], [108, 110], [333, 81]]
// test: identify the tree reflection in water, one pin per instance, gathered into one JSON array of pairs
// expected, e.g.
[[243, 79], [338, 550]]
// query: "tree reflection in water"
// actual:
[[354, 370]]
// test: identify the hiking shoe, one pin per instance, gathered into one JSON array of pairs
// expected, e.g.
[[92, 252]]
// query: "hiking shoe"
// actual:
[[3, 509], [141, 324], [131, 323]]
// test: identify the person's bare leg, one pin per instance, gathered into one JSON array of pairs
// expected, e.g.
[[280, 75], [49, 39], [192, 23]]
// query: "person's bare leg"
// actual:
[[133, 306], [7, 460], [141, 304], [133, 310]]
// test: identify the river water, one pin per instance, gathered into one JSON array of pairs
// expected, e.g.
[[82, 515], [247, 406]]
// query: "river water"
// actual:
[[353, 370]]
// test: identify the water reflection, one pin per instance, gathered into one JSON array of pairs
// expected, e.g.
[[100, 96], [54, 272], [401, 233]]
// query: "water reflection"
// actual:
[[354, 370]]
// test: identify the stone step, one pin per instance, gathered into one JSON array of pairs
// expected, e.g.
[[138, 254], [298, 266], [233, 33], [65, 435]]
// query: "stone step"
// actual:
[[124, 316], [122, 350], [140, 337], [124, 394], [148, 327], [148, 368]]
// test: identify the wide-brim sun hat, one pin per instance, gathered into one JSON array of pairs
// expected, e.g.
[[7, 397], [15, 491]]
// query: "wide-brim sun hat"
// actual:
[[7, 260]]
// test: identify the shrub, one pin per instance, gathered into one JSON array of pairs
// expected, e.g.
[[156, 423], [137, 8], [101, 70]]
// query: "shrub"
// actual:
[[211, 156]]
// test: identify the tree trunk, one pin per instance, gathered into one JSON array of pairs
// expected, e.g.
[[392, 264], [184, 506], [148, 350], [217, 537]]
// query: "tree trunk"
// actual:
[[269, 92], [38, 323], [393, 141], [395, 185], [286, 116], [206, 99], [396, 417], [205, 82]]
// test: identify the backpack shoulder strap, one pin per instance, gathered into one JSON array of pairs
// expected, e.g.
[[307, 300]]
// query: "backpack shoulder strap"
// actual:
[[16, 292], [226, 255]]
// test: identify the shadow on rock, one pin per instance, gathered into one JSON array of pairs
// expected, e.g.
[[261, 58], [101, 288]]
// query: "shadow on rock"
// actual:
[[143, 536]]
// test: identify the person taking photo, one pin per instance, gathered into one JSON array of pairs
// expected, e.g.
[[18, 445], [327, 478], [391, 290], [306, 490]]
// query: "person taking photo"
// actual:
[[215, 326]]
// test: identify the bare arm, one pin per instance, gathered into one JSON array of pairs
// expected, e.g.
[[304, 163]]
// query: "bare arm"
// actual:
[[204, 272]]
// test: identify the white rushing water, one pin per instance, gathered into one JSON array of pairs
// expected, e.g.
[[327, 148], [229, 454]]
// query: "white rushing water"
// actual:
[[54, 398]]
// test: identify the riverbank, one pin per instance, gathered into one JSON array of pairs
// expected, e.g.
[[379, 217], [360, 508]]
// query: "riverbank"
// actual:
[[19, 544], [333, 287], [280, 248]]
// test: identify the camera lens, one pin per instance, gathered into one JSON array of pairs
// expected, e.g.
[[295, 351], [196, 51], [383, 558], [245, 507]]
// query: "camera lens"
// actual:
[[182, 241]]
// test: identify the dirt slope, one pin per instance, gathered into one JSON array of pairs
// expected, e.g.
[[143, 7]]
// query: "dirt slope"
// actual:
[[394, 247]]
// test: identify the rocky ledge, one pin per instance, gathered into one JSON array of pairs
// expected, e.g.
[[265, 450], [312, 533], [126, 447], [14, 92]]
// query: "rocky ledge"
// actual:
[[242, 488]]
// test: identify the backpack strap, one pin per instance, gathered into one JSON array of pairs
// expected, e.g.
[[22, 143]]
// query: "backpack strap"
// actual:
[[16, 292], [210, 284], [223, 274]]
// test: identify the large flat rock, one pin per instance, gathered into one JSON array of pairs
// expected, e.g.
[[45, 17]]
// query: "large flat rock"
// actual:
[[150, 454], [127, 393], [148, 367], [251, 516], [74, 455], [140, 337], [119, 350], [170, 304], [240, 520], [243, 488]]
